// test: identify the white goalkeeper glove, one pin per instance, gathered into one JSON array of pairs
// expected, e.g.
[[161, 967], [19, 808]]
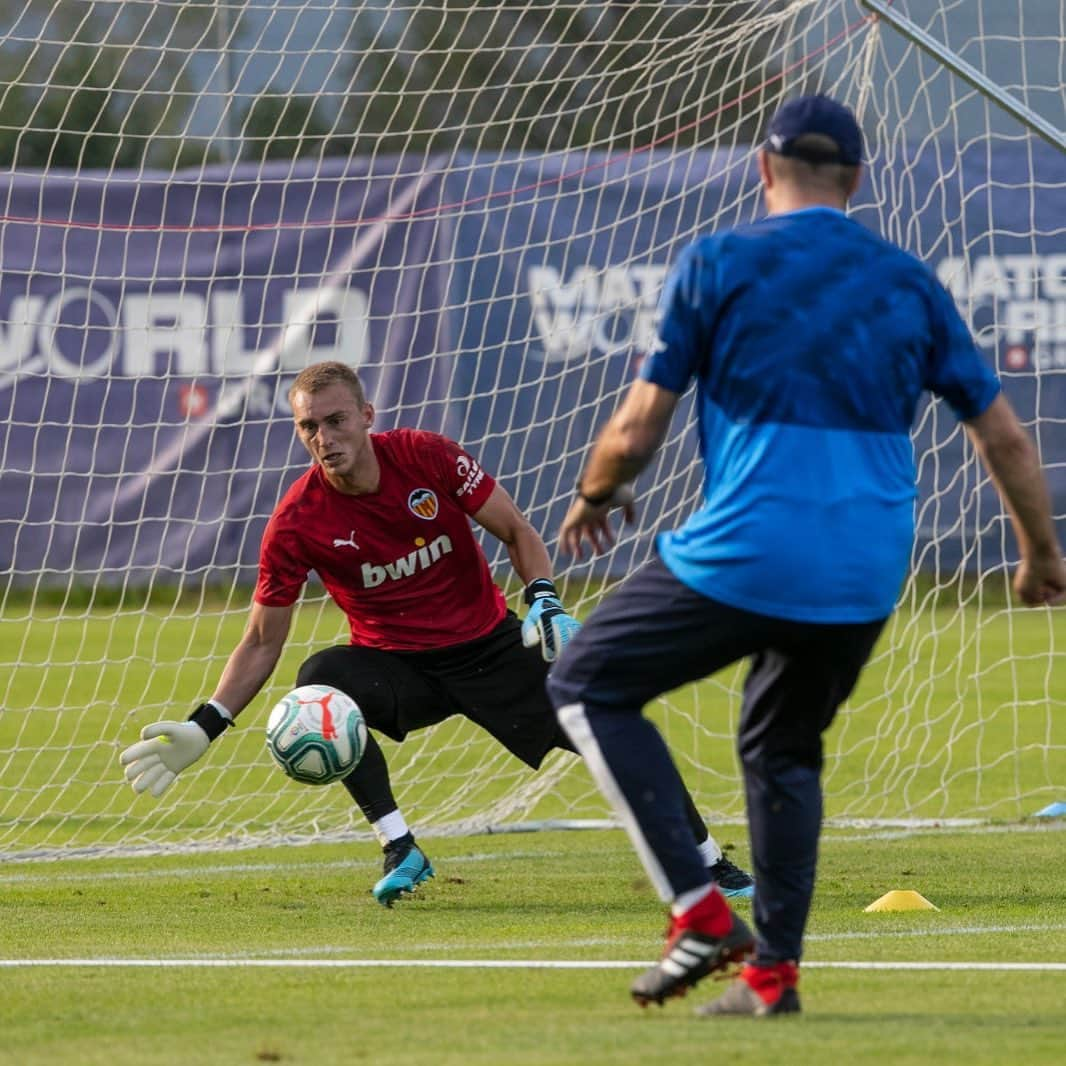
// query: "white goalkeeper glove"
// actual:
[[547, 622], [167, 748]]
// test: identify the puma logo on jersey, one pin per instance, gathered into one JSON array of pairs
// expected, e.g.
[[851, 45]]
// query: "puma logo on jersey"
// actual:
[[422, 558], [349, 543]]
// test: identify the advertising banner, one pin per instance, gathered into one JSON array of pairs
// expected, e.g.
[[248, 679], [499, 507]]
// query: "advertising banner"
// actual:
[[149, 330]]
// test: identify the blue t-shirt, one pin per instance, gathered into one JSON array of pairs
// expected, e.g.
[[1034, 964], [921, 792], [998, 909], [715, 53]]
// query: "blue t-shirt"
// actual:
[[811, 340]]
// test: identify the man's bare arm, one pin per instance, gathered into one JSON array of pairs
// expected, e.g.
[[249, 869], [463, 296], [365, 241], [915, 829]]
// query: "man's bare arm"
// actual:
[[501, 517], [253, 660], [1014, 466], [623, 448], [167, 748]]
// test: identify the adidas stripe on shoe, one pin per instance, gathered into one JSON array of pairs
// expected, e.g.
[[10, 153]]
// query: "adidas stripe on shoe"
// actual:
[[693, 951]]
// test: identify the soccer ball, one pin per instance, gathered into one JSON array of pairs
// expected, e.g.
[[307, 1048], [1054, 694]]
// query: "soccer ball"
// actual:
[[316, 734]]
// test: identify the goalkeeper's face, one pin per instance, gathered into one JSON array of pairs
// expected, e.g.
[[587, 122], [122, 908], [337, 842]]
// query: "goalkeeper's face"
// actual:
[[335, 428]]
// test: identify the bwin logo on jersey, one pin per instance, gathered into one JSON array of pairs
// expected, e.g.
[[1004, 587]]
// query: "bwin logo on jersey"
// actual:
[[422, 558], [423, 502]]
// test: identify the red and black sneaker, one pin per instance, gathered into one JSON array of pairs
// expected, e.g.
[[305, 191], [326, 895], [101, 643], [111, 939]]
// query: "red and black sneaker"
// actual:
[[758, 992], [706, 938]]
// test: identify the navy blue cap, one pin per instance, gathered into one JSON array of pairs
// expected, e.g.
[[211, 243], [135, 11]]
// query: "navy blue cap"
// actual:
[[821, 115]]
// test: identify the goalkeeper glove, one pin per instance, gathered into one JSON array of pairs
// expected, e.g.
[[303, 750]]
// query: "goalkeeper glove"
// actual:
[[547, 622], [167, 748]]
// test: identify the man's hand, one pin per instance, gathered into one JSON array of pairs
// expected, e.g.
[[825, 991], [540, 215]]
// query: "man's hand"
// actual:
[[547, 622], [167, 748], [1041, 580], [588, 521]]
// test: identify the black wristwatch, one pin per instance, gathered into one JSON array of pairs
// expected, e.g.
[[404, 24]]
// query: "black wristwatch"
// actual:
[[595, 501]]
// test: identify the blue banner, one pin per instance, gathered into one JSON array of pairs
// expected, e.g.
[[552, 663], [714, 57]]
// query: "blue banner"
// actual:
[[149, 330]]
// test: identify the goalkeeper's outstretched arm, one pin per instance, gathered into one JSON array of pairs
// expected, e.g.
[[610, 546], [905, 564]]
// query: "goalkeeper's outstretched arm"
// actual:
[[253, 660], [167, 748], [547, 625]]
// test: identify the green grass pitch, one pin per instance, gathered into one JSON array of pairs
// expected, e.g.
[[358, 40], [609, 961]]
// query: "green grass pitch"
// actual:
[[251, 951], [577, 897]]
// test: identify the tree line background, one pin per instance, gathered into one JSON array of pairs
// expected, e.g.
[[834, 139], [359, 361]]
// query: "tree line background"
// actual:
[[171, 84]]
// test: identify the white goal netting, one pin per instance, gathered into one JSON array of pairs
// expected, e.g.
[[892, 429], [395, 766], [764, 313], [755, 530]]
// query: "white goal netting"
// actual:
[[475, 204]]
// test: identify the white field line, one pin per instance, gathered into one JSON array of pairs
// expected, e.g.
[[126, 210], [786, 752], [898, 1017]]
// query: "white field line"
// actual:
[[626, 943], [987, 967], [954, 930], [492, 964], [243, 868]]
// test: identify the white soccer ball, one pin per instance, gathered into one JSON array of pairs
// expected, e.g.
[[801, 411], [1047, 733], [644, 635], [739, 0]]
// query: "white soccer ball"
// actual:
[[316, 734]]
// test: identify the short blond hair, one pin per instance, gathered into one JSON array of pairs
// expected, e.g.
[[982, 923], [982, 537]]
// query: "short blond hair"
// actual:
[[319, 376]]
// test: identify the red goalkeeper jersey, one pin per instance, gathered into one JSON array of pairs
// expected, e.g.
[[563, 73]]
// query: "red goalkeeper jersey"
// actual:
[[402, 562]]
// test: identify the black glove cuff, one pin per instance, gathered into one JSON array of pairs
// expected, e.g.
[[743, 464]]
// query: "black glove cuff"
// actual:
[[210, 721], [537, 590]]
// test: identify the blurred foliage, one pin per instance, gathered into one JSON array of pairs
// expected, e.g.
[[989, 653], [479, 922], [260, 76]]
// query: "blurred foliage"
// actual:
[[554, 77], [282, 126], [132, 85], [79, 90]]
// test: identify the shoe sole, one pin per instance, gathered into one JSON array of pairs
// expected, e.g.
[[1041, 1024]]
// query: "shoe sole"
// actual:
[[748, 892], [788, 1004], [389, 895]]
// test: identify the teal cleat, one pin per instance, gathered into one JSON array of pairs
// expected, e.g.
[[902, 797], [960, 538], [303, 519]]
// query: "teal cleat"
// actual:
[[406, 866], [733, 882]]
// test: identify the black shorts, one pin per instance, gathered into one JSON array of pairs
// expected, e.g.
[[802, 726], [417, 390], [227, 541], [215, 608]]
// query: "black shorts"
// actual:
[[495, 681]]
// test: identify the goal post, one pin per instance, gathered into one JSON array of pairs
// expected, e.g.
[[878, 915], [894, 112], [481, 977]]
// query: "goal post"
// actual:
[[476, 206]]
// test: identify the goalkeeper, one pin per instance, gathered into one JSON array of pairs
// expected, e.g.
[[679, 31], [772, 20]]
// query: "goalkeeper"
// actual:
[[384, 520]]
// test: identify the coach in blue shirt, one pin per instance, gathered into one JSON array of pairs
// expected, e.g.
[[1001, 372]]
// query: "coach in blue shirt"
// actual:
[[811, 341]]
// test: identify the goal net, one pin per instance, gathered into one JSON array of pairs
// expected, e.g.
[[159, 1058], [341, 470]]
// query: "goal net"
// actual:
[[475, 205]]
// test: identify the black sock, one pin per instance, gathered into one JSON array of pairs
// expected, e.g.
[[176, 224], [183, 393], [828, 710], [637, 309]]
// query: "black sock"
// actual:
[[369, 785]]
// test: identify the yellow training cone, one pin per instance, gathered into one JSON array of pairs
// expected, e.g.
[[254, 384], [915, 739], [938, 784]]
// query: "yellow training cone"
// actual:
[[901, 899]]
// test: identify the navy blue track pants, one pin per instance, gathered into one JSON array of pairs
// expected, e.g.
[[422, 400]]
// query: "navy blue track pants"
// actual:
[[655, 634]]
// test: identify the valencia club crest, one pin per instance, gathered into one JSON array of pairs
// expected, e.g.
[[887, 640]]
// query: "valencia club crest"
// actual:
[[423, 502]]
